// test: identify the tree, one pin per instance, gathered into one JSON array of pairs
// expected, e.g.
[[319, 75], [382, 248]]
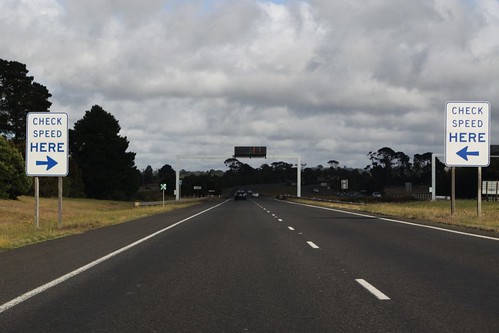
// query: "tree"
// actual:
[[148, 176], [333, 164], [389, 166], [421, 168], [233, 164], [232, 176], [13, 180], [267, 173], [19, 94], [283, 171], [167, 176], [108, 170]]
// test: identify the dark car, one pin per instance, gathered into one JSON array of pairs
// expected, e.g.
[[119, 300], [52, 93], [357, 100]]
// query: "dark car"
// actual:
[[240, 195]]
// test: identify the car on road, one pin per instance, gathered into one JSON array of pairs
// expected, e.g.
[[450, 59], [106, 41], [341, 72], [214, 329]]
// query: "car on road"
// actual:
[[240, 195]]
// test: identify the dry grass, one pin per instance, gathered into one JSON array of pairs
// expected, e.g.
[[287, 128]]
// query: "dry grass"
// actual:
[[17, 222], [438, 211], [17, 227]]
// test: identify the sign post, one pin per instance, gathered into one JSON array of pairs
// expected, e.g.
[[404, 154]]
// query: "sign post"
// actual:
[[47, 151], [467, 139], [163, 188]]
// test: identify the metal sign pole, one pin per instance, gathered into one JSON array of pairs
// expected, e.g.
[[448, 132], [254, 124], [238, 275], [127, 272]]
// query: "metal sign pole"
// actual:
[[453, 192], [298, 178], [37, 203], [479, 194], [59, 220]]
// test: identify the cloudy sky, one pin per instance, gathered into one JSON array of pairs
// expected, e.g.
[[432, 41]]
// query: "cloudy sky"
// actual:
[[323, 79]]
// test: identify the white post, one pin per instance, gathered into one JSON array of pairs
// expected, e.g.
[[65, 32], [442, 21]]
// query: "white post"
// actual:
[[37, 203], [177, 179], [59, 220], [479, 195], [298, 178], [433, 177]]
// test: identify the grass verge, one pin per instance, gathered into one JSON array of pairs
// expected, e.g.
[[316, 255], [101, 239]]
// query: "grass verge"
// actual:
[[437, 212], [17, 225]]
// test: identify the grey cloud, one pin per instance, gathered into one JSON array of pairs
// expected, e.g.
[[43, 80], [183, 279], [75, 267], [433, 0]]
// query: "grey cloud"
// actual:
[[325, 79]]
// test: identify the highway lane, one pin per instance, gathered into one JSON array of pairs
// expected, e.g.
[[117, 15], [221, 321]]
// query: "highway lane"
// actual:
[[263, 266], [32, 266], [442, 280]]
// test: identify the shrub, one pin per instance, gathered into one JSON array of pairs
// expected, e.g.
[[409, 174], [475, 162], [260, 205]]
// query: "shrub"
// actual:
[[13, 179]]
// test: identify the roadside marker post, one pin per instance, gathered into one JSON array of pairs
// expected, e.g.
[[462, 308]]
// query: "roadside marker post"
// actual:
[[163, 188]]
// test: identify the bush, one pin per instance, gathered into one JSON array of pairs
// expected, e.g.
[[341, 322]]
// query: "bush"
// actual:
[[13, 179]]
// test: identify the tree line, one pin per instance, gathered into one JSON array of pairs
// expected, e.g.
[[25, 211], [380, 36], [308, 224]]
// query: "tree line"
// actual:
[[387, 168], [101, 166]]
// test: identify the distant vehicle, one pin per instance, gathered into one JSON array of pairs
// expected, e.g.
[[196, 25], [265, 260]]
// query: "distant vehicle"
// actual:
[[316, 190], [377, 195], [255, 194], [240, 195]]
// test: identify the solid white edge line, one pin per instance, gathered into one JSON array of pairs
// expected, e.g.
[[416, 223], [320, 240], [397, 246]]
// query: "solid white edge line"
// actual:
[[312, 245], [53, 283], [398, 221], [373, 290]]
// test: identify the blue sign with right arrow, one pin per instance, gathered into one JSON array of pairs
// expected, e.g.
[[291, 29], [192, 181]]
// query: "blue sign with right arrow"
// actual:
[[467, 142]]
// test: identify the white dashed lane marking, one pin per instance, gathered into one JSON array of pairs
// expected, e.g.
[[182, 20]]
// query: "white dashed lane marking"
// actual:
[[369, 287], [373, 290], [312, 245]]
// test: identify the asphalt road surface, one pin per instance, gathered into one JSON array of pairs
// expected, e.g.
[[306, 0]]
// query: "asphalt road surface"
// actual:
[[254, 266]]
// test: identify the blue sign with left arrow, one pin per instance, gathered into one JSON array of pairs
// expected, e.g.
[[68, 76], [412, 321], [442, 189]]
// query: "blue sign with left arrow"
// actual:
[[47, 144]]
